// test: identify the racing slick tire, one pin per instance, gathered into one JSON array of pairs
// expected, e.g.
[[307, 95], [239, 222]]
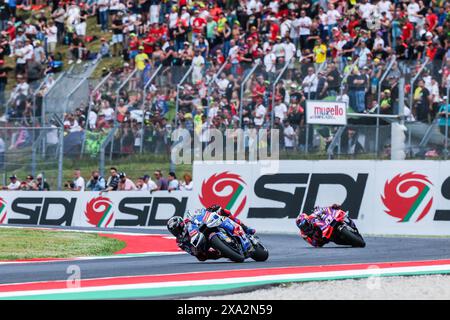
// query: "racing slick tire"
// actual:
[[352, 238], [225, 250]]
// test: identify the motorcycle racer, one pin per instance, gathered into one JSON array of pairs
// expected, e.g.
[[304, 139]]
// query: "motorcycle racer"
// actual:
[[309, 225], [179, 227]]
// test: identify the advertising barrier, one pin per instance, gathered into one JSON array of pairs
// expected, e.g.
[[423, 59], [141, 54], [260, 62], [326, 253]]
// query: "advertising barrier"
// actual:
[[383, 197], [91, 209]]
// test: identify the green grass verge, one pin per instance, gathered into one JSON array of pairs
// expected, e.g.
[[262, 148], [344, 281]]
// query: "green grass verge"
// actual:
[[28, 244]]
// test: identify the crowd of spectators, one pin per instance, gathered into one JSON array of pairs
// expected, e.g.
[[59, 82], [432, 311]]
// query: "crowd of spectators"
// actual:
[[317, 49], [117, 181]]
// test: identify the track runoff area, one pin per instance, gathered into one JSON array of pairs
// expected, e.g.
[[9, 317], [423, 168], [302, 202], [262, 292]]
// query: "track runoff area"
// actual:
[[150, 266]]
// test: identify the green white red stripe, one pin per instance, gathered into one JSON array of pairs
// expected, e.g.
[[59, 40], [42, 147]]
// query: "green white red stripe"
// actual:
[[199, 282], [419, 206], [2, 213]]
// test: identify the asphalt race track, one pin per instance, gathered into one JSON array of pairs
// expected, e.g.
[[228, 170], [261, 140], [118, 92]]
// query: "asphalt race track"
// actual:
[[285, 250]]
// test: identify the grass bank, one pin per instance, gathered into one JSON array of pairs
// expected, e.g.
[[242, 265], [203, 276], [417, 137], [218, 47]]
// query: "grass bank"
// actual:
[[27, 244]]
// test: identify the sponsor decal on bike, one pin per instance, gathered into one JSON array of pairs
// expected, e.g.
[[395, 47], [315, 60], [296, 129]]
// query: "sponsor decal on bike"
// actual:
[[2, 210], [225, 189], [408, 195], [99, 212]]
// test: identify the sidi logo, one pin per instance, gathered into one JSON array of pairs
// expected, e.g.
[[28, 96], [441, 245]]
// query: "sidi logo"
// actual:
[[225, 189], [2, 210], [408, 197], [99, 212]]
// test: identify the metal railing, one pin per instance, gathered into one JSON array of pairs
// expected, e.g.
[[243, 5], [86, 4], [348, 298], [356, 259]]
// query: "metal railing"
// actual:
[[283, 70], [91, 103], [109, 139], [144, 95], [44, 100], [179, 86], [241, 106], [388, 69]]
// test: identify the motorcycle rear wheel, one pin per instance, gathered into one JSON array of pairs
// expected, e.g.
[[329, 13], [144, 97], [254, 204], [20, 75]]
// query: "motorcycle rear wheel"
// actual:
[[355, 240], [225, 250]]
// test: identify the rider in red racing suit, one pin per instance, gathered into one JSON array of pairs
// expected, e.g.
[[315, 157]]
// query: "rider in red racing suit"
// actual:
[[184, 240], [309, 226]]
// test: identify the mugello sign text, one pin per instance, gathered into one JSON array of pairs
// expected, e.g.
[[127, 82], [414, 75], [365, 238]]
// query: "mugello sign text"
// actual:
[[326, 112]]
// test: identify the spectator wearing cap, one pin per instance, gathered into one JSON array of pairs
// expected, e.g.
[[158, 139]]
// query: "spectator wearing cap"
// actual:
[[140, 59], [280, 108], [104, 51], [125, 184], [39, 52], [14, 184], [386, 102], [173, 183]]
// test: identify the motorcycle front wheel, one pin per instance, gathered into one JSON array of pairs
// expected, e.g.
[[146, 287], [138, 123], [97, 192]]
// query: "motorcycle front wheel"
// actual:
[[260, 253], [225, 250], [355, 240]]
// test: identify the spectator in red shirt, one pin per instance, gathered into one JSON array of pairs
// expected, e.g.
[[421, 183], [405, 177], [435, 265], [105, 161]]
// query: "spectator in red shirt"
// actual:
[[407, 31], [431, 20], [274, 29]]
